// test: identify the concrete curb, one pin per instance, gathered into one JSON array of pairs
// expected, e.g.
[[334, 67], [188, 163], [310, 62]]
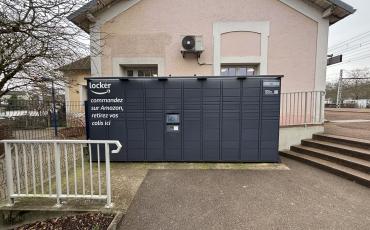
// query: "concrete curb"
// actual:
[[116, 221]]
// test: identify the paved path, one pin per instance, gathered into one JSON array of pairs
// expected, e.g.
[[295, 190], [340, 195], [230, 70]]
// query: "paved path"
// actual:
[[301, 198]]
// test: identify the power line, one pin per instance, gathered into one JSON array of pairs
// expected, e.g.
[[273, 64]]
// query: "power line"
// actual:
[[357, 59], [355, 38], [348, 45], [358, 53], [353, 48], [344, 45]]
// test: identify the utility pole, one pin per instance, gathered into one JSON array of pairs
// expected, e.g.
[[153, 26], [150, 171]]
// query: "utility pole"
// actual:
[[339, 92]]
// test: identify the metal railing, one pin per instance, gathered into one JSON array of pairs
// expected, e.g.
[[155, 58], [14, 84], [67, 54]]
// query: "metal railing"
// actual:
[[302, 108], [59, 169], [38, 119]]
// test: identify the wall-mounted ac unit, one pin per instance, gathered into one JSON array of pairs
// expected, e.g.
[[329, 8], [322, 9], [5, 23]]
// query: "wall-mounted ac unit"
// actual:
[[192, 44]]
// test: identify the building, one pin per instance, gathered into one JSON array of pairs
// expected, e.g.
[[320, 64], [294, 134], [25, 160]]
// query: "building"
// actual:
[[358, 103], [239, 37], [76, 73]]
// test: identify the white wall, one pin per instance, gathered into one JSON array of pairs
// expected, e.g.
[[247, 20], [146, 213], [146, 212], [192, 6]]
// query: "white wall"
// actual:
[[293, 135]]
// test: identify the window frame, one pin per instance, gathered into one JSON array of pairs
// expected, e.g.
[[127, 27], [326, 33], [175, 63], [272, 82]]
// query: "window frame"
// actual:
[[148, 70], [238, 66]]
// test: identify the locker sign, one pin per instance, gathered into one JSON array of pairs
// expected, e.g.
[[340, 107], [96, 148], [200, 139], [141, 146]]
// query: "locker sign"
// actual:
[[104, 88], [271, 92], [271, 84], [104, 107]]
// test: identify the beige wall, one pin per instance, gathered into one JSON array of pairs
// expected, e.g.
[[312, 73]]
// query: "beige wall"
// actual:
[[240, 44], [152, 28], [76, 79]]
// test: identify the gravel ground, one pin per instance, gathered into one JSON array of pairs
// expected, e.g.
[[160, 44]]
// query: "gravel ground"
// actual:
[[89, 221], [301, 198]]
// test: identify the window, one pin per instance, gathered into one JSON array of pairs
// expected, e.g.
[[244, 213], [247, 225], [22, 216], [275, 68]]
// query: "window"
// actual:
[[238, 70], [140, 71]]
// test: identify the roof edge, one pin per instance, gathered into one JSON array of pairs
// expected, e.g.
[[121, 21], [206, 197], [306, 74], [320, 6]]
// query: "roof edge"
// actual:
[[343, 5], [82, 16]]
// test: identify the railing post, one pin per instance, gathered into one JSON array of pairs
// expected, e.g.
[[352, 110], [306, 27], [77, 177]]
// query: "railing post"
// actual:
[[305, 108], [9, 173], [322, 109], [314, 120], [58, 176], [107, 172]]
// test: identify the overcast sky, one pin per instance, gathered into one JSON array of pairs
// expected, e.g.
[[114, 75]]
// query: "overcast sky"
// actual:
[[356, 54]]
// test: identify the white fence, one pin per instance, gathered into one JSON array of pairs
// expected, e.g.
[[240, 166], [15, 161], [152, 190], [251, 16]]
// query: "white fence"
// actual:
[[302, 108], [59, 169]]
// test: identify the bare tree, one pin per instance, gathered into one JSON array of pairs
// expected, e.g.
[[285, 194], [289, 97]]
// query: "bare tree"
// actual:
[[358, 79], [36, 38]]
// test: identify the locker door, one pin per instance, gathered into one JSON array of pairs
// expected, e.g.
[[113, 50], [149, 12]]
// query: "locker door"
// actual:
[[211, 119], [154, 109], [270, 121], [250, 120], [135, 121], [230, 120], [192, 120], [173, 131]]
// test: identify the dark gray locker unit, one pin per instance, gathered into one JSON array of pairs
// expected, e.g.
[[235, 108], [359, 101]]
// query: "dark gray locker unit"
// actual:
[[189, 119]]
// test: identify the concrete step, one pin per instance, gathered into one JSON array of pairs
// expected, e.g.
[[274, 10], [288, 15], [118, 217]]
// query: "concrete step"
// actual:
[[354, 142], [360, 153], [340, 170], [348, 161]]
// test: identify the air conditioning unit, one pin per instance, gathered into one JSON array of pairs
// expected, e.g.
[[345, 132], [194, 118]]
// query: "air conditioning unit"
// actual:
[[192, 44]]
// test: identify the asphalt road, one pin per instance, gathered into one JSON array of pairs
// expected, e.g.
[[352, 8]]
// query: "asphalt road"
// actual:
[[301, 198]]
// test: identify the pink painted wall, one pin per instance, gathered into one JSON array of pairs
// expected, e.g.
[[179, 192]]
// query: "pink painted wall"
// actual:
[[153, 28], [239, 44]]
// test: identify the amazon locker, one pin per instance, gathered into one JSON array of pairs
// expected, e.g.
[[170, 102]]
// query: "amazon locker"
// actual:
[[187, 119]]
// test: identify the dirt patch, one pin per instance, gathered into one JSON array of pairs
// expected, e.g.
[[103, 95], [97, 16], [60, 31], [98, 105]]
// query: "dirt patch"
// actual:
[[346, 115], [98, 221], [350, 129], [356, 130], [355, 125]]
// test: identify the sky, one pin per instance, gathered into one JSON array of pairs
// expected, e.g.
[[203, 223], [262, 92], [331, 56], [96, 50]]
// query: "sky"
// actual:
[[356, 52]]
